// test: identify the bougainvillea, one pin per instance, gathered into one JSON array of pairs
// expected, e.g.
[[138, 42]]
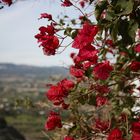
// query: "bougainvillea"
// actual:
[[102, 96], [103, 92]]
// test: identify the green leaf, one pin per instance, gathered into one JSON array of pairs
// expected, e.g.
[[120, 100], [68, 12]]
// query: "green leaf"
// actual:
[[124, 7], [110, 15], [114, 30], [133, 26]]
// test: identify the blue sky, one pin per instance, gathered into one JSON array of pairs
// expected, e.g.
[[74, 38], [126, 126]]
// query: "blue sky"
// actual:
[[18, 25]]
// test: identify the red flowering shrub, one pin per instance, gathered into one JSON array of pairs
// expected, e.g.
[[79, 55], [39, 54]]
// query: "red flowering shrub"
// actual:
[[102, 97]]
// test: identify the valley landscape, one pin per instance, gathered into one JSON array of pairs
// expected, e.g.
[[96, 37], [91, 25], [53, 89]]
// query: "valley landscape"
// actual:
[[22, 96]]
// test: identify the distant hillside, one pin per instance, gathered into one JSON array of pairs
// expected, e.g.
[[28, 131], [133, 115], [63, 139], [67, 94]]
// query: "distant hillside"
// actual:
[[8, 69]]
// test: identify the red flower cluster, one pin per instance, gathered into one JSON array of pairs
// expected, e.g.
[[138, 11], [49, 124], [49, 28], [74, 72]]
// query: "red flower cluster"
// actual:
[[66, 3], [8, 2], [136, 131], [57, 93], [53, 121], [68, 138], [102, 70], [47, 40], [76, 72], [83, 60], [87, 55], [85, 36], [135, 66], [115, 134]]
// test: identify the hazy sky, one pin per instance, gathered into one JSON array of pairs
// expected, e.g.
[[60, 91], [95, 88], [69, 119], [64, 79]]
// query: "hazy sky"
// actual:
[[19, 24]]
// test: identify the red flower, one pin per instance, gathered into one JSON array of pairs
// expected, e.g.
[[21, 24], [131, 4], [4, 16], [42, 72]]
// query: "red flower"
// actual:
[[102, 70], [67, 84], [50, 45], [47, 40], [101, 125], [9, 2], [103, 89], [87, 65], [135, 66], [66, 3], [115, 134], [45, 15], [68, 138], [85, 36], [137, 48], [53, 121], [100, 100], [76, 72], [56, 94], [49, 29], [89, 53]]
